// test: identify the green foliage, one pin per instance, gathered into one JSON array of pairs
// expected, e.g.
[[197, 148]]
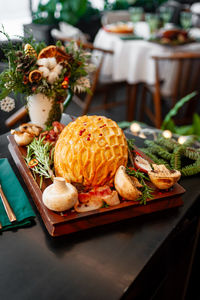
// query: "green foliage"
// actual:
[[149, 5], [43, 153], [168, 123], [16, 77], [156, 149], [196, 124], [192, 169], [55, 11], [130, 143], [71, 11], [45, 13], [170, 144], [180, 157], [145, 189]]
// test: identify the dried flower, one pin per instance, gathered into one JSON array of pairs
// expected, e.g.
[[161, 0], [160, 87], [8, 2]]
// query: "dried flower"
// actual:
[[7, 104], [81, 85]]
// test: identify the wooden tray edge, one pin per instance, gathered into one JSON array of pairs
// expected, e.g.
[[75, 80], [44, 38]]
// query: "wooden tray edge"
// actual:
[[93, 220], [27, 176]]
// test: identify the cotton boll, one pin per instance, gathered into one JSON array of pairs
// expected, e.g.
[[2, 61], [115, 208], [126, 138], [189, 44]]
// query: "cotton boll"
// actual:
[[43, 62], [52, 62], [52, 77], [57, 69], [45, 71]]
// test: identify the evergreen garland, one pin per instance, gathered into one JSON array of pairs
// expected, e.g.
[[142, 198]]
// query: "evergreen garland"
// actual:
[[192, 153], [175, 161], [158, 151], [191, 169], [169, 144]]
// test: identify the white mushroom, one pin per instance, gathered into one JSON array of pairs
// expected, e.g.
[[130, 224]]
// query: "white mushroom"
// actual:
[[126, 187], [60, 195], [22, 138], [163, 178]]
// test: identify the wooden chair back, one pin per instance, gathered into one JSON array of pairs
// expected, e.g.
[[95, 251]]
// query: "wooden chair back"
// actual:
[[186, 79], [105, 88]]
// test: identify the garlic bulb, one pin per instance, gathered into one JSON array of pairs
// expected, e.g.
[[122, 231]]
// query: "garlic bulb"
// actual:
[[60, 195]]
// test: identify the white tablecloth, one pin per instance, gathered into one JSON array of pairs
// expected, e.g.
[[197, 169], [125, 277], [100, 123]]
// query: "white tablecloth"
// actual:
[[132, 60]]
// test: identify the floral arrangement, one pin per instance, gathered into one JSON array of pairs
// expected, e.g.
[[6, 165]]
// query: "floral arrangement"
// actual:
[[51, 70]]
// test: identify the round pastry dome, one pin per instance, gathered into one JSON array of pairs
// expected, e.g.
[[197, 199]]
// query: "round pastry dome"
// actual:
[[90, 150]]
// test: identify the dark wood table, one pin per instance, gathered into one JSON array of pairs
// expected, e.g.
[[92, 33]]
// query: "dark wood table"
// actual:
[[138, 258]]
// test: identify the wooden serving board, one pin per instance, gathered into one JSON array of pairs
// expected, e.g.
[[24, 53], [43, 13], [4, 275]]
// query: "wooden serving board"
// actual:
[[70, 221]]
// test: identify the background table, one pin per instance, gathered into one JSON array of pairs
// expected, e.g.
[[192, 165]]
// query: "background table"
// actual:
[[117, 261], [132, 62]]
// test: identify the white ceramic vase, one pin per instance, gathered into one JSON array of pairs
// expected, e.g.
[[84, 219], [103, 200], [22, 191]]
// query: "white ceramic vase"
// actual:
[[43, 110]]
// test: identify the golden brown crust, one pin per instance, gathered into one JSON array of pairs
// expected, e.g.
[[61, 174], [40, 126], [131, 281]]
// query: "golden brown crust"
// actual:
[[90, 150]]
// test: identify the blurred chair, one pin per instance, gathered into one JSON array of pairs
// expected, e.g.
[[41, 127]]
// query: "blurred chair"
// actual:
[[68, 31], [103, 86], [115, 16], [184, 72]]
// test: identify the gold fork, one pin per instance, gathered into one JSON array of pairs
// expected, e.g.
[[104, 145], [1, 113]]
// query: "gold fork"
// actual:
[[8, 208]]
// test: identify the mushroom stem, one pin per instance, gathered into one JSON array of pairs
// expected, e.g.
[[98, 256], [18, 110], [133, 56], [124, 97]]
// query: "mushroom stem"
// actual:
[[59, 184]]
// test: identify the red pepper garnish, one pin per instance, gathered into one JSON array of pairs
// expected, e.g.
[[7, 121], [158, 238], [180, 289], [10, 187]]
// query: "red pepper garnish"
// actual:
[[137, 153], [32, 163], [102, 126], [81, 131], [131, 168]]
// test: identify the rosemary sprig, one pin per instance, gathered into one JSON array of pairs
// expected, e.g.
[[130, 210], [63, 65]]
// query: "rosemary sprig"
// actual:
[[43, 152], [146, 190]]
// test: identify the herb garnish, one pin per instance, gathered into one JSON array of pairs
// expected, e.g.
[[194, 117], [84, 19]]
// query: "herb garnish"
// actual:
[[43, 153], [130, 143], [146, 190]]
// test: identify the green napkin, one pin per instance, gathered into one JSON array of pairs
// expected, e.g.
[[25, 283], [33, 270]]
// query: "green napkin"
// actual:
[[16, 197]]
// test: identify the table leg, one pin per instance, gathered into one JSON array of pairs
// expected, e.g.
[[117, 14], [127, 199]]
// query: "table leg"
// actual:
[[131, 100]]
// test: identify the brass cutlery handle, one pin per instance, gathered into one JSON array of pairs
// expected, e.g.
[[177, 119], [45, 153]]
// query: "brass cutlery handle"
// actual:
[[8, 208]]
